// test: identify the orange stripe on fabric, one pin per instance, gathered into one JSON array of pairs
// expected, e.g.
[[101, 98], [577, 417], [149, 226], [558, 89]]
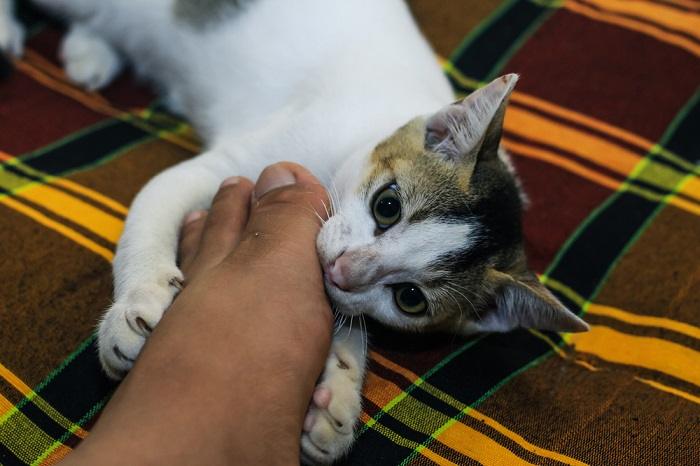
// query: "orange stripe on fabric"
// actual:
[[393, 366], [57, 455], [81, 213], [600, 151], [432, 456], [478, 446], [663, 15], [5, 405], [42, 404], [633, 25], [561, 162], [671, 390], [38, 70], [386, 391], [59, 228], [646, 321], [581, 119], [647, 352]]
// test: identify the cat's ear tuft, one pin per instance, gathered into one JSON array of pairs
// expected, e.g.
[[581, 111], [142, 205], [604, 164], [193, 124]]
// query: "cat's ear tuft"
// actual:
[[522, 301], [473, 126]]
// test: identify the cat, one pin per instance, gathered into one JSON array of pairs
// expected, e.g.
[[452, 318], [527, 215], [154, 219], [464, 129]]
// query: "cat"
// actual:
[[426, 227]]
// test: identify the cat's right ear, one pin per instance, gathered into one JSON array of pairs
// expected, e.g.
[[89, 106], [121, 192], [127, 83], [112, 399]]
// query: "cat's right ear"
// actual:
[[471, 128]]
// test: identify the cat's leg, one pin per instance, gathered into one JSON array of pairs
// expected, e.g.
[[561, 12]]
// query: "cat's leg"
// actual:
[[89, 60], [11, 31], [337, 403], [146, 276]]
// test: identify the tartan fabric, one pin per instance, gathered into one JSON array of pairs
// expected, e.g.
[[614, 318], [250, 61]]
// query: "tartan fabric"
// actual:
[[604, 130]]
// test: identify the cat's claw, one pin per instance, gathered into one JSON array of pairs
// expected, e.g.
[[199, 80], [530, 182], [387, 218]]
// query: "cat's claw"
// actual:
[[335, 408], [88, 60], [129, 321], [11, 36]]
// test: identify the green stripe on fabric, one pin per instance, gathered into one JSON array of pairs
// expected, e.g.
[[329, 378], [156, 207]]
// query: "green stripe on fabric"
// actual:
[[476, 32], [463, 413], [416, 383], [670, 130], [24, 438], [81, 423], [518, 43]]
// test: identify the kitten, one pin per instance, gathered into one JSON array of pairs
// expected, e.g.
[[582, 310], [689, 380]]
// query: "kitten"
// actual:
[[426, 228]]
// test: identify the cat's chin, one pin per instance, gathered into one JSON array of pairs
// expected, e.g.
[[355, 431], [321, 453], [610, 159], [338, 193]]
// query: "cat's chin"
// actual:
[[347, 303]]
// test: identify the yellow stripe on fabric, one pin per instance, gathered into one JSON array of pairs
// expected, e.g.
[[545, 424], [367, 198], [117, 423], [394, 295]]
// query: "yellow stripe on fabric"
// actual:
[[671, 390], [600, 151], [81, 213], [634, 25], [386, 393], [595, 149], [662, 15], [42, 404], [447, 430], [622, 315], [45, 73], [59, 228], [578, 118], [91, 194], [647, 352], [24, 438], [646, 321], [432, 456]]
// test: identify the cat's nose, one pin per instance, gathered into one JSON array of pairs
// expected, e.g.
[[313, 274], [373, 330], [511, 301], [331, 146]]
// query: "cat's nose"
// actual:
[[338, 273]]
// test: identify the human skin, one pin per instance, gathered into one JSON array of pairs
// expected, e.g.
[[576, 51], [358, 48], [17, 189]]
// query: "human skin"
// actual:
[[227, 375]]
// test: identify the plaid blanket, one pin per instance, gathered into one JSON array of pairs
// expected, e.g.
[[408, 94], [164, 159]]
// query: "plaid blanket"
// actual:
[[605, 131]]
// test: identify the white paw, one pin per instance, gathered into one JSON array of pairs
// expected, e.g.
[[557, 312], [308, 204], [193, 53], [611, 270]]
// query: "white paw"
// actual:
[[11, 36], [334, 411], [89, 60], [129, 321]]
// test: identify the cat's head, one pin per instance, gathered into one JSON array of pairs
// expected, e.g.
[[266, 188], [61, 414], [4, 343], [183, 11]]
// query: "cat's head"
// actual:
[[428, 236]]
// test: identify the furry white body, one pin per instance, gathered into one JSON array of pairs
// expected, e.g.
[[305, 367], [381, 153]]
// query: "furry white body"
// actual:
[[319, 82]]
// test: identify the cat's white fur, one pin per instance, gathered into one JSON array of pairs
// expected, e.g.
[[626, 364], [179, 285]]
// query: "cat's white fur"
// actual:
[[320, 82]]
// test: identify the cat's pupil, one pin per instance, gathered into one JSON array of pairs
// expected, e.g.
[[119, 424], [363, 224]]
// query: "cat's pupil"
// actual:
[[388, 207], [411, 296], [410, 299]]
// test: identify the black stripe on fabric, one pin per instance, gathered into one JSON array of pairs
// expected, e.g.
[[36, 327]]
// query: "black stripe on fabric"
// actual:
[[79, 386], [589, 257], [597, 133], [87, 149], [591, 165], [7, 458], [478, 59], [374, 449], [22, 173], [685, 141], [473, 373], [41, 420]]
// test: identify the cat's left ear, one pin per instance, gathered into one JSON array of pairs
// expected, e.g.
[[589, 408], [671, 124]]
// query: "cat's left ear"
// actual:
[[471, 128], [522, 301]]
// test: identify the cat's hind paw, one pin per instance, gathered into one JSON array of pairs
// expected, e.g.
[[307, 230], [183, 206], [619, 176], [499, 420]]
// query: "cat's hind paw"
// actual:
[[11, 36], [88, 60], [330, 421], [129, 321]]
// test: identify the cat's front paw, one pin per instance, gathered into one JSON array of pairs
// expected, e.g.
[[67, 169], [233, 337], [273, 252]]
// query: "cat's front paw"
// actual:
[[11, 36], [88, 60], [129, 321], [336, 406]]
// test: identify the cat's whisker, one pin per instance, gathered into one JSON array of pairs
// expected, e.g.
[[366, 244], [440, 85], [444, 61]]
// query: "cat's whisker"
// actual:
[[455, 288], [349, 327]]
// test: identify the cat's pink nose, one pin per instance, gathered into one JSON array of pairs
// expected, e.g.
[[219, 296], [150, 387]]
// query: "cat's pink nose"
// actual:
[[338, 272]]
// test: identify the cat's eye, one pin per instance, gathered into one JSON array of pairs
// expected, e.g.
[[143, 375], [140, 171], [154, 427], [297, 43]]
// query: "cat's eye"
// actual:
[[410, 299], [386, 207]]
